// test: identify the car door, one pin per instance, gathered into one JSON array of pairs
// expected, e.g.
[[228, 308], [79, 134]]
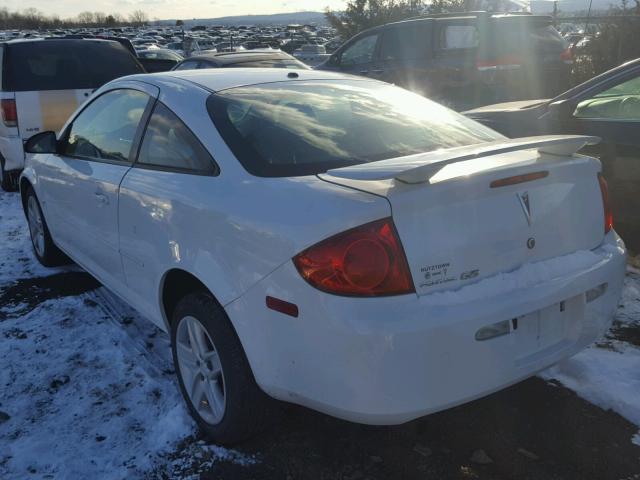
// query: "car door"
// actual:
[[81, 184], [454, 70], [405, 56], [161, 204], [359, 56], [612, 112]]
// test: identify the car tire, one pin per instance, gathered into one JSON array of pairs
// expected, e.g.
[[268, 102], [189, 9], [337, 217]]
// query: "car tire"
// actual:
[[7, 181], [43, 247], [239, 408]]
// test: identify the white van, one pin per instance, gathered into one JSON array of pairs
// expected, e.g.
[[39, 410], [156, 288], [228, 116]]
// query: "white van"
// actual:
[[43, 81]]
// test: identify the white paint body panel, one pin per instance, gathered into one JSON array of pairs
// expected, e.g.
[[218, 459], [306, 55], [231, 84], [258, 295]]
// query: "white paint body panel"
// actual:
[[373, 360]]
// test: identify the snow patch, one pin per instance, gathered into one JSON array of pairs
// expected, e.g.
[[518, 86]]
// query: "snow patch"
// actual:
[[609, 379], [608, 375], [88, 386], [16, 257], [527, 276]]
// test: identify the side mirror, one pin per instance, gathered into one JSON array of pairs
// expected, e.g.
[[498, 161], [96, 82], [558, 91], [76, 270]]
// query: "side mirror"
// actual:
[[43, 142], [562, 109], [333, 60]]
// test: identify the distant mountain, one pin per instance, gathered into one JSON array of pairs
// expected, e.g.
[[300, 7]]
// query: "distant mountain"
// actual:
[[275, 19]]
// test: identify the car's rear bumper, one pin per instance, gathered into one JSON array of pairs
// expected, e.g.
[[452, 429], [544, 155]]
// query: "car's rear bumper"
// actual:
[[12, 151], [390, 360]]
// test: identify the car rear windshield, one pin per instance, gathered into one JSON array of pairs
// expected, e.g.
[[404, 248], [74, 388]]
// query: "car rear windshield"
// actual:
[[521, 36], [67, 64], [307, 127]]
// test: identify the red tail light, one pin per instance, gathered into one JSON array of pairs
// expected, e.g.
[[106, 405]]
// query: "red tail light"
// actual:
[[365, 261], [506, 62], [9, 112], [567, 55], [608, 213]]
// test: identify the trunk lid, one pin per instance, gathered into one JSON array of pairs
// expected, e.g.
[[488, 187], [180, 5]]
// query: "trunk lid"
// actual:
[[458, 228]]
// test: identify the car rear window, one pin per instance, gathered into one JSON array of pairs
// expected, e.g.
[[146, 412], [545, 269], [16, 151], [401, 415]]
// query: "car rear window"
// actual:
[[305, 128], [67, 64], [517, 36]]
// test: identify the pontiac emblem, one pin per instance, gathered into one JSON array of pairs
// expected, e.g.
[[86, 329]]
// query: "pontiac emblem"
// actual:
[[524, 203]]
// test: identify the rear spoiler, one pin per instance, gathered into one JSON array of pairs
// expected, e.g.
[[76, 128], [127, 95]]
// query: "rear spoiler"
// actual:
[[421, 167]]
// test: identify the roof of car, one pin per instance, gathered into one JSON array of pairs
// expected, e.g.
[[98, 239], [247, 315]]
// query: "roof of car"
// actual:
[[53, 39], [221, 79], [521, 16], [226, 58]]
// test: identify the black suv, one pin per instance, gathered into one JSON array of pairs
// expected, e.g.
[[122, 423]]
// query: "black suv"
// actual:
[[464, 59]]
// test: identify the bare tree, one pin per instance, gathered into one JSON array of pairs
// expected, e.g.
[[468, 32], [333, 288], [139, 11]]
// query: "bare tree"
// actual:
[[31, 18], [138, 17], [99, 18], [360, 15], [85, 18]]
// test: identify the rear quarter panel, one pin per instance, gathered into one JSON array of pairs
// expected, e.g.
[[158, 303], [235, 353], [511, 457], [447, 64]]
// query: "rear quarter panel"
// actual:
[[230, 230], [228, 233]]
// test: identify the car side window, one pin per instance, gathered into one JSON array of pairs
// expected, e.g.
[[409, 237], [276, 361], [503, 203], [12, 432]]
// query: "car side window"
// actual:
[[458, 37], [169, 144], [621, 102], [409, 42], [362, 51], [188, 65], [106, 128]]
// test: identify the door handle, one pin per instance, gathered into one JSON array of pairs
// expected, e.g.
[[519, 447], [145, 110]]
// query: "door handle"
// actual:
[[102, 198], [377, 72], [363, 72]]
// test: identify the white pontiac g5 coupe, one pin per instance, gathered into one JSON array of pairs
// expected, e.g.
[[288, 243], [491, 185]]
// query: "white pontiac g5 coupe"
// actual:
[[330, 241]]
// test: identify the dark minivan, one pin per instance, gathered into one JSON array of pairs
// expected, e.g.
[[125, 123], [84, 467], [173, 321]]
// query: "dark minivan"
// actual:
[[464, 59]]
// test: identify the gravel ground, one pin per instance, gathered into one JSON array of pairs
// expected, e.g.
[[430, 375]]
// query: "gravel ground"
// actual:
[[89, 392]]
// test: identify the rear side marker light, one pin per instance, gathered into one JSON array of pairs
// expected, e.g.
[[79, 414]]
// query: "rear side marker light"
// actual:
[[606, 205], [282, 306], [9, 112], [596, 293], [366, 261], [529, 177]]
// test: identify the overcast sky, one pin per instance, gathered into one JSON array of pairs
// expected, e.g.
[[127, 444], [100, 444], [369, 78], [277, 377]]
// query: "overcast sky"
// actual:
[[163, 9]]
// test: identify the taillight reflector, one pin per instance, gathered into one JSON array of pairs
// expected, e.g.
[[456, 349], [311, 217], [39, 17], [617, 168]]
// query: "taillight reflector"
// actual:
[[528, 177], [365, 261], [608, 213], [282, 306], [9, 112], [567, 55]]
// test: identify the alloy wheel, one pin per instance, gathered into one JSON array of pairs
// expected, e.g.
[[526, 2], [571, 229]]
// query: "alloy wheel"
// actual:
[[36, 226], [201, 370]]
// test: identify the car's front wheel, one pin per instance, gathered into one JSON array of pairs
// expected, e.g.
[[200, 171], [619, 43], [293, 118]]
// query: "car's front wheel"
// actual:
[[214, 374], [45, 250]]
